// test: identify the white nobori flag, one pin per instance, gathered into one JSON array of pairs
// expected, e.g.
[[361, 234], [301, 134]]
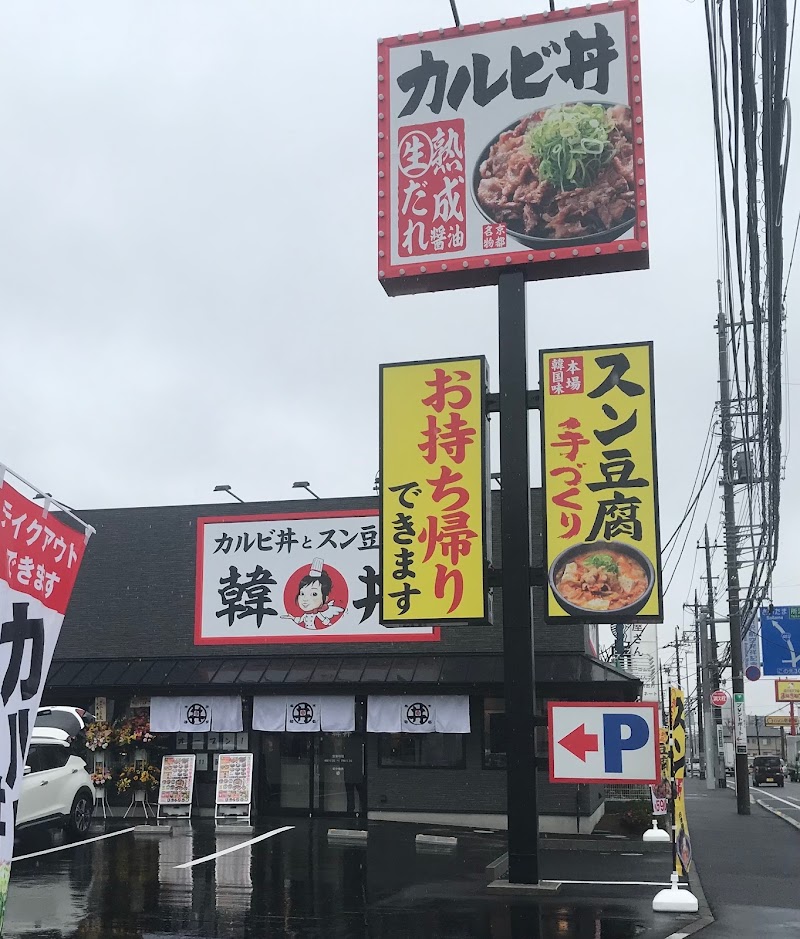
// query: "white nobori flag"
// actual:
[[41, 556]]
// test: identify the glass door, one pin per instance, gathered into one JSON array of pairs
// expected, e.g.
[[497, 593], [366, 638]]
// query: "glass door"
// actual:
[[339, 775], [314, 774], [296, 757]]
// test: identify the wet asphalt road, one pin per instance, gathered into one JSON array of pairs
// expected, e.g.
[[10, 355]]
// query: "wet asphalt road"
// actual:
[[299, 886]]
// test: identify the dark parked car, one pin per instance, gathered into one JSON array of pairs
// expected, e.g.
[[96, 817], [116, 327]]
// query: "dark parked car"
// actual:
[[768, 769]]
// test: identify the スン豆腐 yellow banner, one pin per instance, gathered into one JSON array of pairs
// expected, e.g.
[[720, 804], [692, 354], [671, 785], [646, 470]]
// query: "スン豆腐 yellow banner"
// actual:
[[600, 486], [677, 721], [433, 487]]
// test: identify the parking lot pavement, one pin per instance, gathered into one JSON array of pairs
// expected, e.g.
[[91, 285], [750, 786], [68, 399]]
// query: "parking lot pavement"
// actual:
[[297, 884]]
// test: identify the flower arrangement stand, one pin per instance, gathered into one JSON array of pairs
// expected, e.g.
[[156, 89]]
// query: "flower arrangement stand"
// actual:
[[139, 798], [101, 799]]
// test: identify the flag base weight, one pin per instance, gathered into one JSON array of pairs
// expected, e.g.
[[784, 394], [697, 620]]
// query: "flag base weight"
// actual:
[[656, 834], [675, 899]]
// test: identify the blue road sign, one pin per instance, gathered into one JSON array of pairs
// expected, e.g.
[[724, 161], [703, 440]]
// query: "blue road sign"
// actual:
[[780, 640]]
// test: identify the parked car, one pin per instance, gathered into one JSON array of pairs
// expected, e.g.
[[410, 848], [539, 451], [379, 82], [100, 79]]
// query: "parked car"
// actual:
[[68, 721], [768, 769], [56, 789]]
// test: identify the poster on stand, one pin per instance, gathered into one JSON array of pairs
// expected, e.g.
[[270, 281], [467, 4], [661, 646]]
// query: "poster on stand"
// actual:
[[234, 779], [177, 779]]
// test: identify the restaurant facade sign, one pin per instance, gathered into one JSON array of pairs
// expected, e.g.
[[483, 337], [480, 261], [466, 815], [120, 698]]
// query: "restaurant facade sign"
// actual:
[[602, 541], [435, 525], [310, 577], [513, 142]]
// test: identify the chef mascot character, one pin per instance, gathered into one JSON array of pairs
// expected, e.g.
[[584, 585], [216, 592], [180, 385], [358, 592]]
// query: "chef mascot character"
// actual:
[[312, 598]]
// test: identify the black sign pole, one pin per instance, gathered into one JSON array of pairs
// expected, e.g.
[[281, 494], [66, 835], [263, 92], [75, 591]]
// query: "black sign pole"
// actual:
[[515, 512]]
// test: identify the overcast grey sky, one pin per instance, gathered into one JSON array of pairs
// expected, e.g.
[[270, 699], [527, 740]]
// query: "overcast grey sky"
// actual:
[[187, 261]]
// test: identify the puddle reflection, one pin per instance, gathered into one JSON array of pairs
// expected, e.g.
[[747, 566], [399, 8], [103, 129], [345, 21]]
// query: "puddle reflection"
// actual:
[[294, 886]]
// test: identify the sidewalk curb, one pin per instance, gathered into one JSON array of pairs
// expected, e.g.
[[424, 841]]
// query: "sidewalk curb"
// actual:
[[780, 814]]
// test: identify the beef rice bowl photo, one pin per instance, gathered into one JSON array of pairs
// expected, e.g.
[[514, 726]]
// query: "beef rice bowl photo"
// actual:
[[602, 577], [561, 176]]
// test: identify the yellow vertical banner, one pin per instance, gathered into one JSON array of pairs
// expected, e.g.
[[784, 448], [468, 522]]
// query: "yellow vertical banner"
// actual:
[[677, 721], [600, 484], [435, 531]]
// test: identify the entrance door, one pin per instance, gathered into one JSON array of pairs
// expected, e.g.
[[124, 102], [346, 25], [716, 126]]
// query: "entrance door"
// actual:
[[322, 774], [339, 775]]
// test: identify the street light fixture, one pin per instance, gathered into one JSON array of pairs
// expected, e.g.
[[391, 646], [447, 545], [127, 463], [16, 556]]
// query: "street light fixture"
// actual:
[[226, 488], [303, 484]]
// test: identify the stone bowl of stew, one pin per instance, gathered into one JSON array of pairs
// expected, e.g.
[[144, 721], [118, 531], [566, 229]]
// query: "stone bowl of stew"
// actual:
[[612, 579]]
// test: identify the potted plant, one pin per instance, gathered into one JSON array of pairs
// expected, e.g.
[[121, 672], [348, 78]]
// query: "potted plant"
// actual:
[[637, 818]]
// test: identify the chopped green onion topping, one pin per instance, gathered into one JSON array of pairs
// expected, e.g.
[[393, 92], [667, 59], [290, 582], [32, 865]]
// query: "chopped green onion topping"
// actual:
[[571, 142]]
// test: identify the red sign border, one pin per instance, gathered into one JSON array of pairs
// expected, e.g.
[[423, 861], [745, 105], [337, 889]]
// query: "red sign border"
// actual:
[[199, 640], [412, 278], [594, 705]]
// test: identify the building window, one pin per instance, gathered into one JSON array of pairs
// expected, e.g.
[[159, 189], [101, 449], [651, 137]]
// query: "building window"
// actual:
[[422, 751], [494, 733]]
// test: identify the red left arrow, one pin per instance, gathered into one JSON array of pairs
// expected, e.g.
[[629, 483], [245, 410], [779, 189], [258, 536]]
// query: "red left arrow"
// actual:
[[579, 743]]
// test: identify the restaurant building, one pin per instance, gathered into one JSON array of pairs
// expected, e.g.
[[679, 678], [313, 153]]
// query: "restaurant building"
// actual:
[[197, 613]]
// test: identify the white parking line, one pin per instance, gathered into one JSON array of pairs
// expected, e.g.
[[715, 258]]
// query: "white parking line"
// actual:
[[236, 847], [619, 883], [72, 844]]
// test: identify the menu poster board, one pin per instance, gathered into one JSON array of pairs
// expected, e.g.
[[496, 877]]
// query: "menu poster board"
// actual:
[[177, 779], [234, 779]]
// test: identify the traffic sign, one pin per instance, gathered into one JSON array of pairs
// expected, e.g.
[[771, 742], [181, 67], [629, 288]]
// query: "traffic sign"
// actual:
[[752, 673], [719, 698], [602, 742], [780, 640]]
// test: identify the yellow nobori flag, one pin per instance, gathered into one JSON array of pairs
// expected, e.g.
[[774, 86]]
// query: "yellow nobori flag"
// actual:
[[677, 724]]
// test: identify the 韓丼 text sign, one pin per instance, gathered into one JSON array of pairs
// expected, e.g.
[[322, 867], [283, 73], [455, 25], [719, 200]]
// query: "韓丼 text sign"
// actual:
[[433, 487], [518, 141], [299, 578], [600, 485]]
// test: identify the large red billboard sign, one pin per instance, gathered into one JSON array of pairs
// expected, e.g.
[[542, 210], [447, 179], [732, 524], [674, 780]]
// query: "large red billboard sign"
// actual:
[[515, 142]]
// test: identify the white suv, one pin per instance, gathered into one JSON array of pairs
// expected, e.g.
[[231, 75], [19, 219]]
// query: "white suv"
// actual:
[[57, 789]]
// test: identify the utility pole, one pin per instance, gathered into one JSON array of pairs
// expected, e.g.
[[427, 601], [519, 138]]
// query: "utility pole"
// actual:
[[731, 564], [677, 656], [689, 719], [758, 737], [701, 685], [664, 703], [713, 746]]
